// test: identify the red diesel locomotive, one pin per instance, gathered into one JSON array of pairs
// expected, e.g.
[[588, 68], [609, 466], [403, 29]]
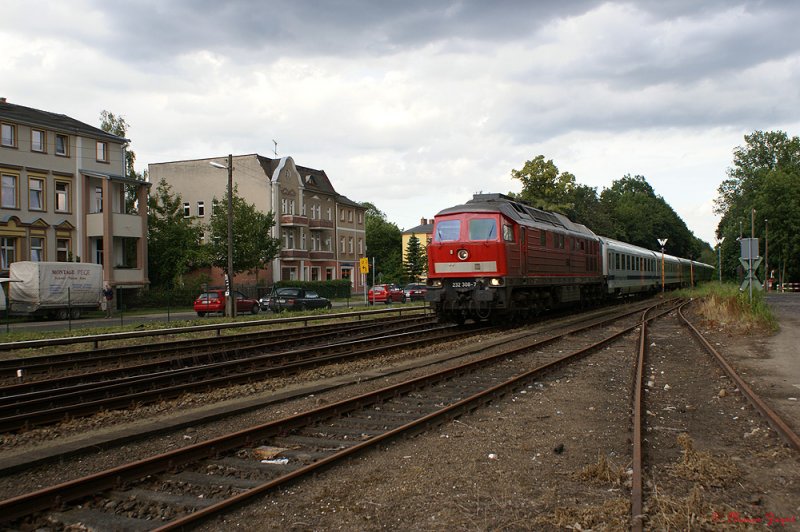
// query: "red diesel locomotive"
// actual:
[[495, 257]]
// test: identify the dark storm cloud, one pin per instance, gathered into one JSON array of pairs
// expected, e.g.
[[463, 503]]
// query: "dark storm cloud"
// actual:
[[152, 29]]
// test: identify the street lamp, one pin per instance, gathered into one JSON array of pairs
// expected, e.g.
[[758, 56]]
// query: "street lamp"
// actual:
[[662, 242], [230, 306]]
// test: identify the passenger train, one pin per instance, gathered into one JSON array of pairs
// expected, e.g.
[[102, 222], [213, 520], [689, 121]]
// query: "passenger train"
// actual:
[[495, 258]]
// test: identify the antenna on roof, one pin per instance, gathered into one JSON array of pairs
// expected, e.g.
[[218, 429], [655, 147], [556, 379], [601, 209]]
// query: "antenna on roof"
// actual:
[[275, 150]]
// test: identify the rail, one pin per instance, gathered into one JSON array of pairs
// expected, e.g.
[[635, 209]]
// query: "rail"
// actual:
[[219, 327]]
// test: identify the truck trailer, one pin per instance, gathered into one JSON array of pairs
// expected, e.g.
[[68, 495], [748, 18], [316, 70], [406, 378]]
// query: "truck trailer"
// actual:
[[54, 289]]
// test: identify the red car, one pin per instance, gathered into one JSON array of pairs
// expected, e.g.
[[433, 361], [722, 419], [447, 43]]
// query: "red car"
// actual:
[[385, 293], [214, 301]]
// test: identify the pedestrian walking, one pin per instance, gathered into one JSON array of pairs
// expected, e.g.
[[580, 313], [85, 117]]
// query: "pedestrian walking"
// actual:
[[107, 300]]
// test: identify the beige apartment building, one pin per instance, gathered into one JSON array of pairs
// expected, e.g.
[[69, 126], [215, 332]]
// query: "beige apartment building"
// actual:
[[322, 233], [64, 193]]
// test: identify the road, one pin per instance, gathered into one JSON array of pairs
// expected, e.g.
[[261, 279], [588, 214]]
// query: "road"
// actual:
[[125, 319]]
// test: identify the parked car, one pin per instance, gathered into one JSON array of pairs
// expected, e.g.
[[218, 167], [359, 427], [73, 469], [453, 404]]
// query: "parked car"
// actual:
[[214, 301], [415, 291], [384, 293], [290, 298]]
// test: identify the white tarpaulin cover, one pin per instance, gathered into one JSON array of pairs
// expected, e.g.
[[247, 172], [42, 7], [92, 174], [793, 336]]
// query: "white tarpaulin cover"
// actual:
[[54, 284]]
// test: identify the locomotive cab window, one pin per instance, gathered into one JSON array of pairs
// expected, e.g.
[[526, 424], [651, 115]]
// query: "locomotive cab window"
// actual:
[[483, 229], [447, 231], [508, 233]]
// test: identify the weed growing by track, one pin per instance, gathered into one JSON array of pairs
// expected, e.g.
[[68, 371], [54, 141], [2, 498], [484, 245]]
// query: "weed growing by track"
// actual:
[[724, 305]]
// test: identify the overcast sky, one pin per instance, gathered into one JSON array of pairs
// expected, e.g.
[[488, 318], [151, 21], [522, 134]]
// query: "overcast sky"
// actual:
[[416, 105]]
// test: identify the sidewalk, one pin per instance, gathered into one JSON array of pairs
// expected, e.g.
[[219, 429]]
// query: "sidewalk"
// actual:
[[776, 368]]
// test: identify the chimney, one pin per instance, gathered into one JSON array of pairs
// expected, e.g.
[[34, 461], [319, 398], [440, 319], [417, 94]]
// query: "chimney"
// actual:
[[422, 221]]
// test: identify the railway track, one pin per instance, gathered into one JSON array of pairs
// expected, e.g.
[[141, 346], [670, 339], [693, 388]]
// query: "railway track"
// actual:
[[639, 515], [181, 487], [178, 353], [50, 401]]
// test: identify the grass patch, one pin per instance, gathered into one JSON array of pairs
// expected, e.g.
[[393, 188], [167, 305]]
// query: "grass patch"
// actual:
[[724, 305]]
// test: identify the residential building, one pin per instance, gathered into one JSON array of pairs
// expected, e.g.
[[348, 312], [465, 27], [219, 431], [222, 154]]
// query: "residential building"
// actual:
[[322, 233], [423, 232], [65, 196]]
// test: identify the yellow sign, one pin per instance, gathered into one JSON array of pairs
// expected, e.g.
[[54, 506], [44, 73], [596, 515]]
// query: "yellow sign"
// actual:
[[364, 264]]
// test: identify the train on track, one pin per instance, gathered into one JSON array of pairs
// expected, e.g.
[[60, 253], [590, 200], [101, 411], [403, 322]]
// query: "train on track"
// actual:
[[495, 258]]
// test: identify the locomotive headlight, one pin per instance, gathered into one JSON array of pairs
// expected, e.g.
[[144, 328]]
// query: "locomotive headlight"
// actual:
[[435, 283], [496, 281], [462, 254]]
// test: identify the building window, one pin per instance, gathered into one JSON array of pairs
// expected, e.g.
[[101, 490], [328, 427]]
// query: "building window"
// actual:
[[9, 191], [37, 249], [8, 251], [36, 194], [316, 242], [288, 239], [291, 207], [130, 252], [341, 215], [329, 274], [360, 246], [98, 251], [349, 215], [315, 274], [98, 201], [330, 215], [62, 196], [8, 135], [62, 249], [201, 208], [102, 151], [284, 206], [302, 240], [187, 210], [328, 244], [341, 244], [38, 140], [350, 245], [360, 217], [62, 145]]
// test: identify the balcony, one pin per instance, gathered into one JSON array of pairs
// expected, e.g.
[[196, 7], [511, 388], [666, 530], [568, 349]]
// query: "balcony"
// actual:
[[294, 220], [320, 224], [125, 225], [321, 255], [294, 254]]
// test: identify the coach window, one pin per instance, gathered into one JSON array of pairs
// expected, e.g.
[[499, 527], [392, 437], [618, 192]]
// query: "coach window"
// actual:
[[447, 231], [508, 233], [483, 229]]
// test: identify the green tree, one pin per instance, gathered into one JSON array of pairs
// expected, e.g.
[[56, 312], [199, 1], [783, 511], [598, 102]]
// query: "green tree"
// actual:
[[117, 125], [544, 187], [416, 259], [384, 244], [253, 247], [764, 176], [173, 241], [640, 217], [587, 209]]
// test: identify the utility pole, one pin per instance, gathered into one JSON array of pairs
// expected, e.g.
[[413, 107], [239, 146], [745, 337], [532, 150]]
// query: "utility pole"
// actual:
[[231, 300], [750, 248], [766, 253]]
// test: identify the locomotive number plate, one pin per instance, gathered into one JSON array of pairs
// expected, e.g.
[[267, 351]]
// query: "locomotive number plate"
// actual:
[[463, 284]]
